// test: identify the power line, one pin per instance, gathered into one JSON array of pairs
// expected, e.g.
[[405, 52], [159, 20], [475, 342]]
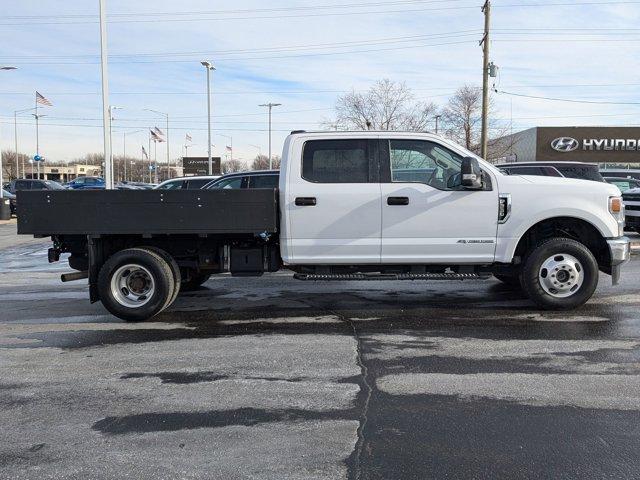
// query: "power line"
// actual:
[[568, 100]]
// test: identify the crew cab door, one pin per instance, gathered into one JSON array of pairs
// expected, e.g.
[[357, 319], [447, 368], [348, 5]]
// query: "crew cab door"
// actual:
[[333, 202], [426, 215]]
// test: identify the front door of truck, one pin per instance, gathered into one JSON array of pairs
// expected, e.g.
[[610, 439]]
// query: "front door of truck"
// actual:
[[426, 216], [333, 203]]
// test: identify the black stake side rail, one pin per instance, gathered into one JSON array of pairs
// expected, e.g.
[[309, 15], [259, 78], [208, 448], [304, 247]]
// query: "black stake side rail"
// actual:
[[147, 212]]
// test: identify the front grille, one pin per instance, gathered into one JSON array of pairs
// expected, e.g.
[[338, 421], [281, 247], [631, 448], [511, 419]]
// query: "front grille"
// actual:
[[631, 198], [632, 207]]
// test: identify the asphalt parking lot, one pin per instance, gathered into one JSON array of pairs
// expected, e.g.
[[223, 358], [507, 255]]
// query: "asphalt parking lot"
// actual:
[[275, 378]]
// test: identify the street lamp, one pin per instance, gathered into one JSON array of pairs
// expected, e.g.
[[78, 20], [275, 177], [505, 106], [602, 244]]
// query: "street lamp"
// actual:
[[166, 115], [15, 135], [230, 145], [111, 109], [270, 106], [106, 116], [209, 66], [5, 208]]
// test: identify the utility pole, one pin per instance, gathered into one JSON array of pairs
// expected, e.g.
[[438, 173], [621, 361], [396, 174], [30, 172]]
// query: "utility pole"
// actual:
[[484, 140], [438, 117], [270, 106]]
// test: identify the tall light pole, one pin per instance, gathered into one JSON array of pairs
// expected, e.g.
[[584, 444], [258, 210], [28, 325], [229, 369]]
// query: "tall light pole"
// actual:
[[124, 150], [15, 139], [166, 115], [111, 119], [5, 209], [438, 117], [270, 106], [108, 172], [209, 66]]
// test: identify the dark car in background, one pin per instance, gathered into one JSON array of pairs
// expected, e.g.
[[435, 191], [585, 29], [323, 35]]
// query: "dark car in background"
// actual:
[[253, 179], [33, 184], [186, 183], [623, 184], [620, 173], [12, 200], [86, 183], [579, 170]]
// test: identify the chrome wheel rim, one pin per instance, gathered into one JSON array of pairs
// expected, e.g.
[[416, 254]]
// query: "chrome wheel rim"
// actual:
[[132, 286], [561, 275]]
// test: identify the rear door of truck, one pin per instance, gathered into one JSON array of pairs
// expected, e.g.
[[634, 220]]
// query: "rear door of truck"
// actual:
[[333, 201]]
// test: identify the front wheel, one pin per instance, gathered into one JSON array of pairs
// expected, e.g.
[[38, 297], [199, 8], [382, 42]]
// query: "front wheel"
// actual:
[[560, 274]]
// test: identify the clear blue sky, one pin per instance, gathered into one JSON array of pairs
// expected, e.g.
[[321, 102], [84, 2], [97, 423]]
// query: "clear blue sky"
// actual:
[[302, 54]]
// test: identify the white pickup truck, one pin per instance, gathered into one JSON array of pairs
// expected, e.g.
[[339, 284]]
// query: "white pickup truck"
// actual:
[[350, 206]]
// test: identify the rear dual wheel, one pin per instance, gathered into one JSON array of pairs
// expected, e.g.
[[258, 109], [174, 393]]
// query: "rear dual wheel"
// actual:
[[138, 283]]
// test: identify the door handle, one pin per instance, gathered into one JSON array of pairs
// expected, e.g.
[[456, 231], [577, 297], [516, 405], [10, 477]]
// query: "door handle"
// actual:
[[306, 201], [397, 200]]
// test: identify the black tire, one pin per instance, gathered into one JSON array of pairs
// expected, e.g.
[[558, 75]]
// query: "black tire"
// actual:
[[157, 268], [175, 270], [532, 273], [194, 281], [512, 281]]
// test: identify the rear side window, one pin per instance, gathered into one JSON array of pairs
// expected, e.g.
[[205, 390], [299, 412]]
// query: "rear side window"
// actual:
[[177, 185], [336, 161], [232, 183], [22, 185], [581, 172], [38, 186], [197, 184], [263, 181]]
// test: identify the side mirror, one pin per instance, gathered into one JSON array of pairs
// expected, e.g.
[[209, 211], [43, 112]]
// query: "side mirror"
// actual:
[[471, 174]]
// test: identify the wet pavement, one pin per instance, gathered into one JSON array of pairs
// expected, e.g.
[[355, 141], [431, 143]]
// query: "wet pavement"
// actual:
[[275, 378]]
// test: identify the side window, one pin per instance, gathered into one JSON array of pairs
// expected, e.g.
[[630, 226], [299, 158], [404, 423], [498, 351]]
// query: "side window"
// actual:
[[22, 185], [38, 186], [197, 184], [79, 180], [337, 161], [177, 185], [537, 171], [229, 183], [427, 162], [263, 181], [581, 172]]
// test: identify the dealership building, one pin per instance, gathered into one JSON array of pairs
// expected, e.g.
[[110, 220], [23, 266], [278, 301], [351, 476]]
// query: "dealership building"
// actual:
[[604, 145]]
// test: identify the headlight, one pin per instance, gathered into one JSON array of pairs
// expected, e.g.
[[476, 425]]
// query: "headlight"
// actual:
[[616, 208]]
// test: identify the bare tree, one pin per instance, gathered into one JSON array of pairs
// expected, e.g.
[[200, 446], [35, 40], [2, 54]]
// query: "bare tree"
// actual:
[[462, 119], [261, 162], [232, 166], [11, 168], [387, 105]]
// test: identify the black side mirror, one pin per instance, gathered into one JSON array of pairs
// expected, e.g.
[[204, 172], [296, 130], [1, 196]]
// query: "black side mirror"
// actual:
[[471, 174]]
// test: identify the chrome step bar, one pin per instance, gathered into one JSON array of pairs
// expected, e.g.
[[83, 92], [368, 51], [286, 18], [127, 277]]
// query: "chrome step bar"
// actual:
[[389, 276]]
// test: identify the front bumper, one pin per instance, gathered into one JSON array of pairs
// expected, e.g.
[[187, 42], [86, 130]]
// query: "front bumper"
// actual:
[[620, 250]]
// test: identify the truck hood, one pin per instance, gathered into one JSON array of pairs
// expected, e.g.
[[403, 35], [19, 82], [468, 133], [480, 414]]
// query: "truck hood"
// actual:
[[572, 184]]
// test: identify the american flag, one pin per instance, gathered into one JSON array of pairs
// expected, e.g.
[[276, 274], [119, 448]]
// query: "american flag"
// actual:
[[188, 138], [229, 149], [158, 131], [40, 99], [144, 152], [155, 136]]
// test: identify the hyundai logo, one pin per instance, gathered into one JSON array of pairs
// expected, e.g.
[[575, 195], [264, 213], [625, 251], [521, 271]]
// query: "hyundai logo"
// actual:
[[565, 144]]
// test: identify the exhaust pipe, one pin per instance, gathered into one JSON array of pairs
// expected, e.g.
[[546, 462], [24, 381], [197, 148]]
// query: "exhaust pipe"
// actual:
[[70, 277]]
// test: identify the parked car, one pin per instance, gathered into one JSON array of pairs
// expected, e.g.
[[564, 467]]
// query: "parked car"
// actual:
[[12, 200], [186, 183], [86, 183], [253, 179], [620, 172], [583, 171], [142, 185], [631, 200], [623, 184], [33, 184]]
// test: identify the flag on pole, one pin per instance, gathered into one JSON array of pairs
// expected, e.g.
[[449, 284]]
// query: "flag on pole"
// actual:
[[188, 138], [158, 131], [155, 137], [40, 99], [229, 149], [144, 152]]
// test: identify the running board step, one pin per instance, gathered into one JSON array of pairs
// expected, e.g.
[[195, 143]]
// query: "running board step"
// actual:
[[390, 276]]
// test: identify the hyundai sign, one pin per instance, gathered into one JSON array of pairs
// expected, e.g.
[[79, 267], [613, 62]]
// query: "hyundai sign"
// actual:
[[587, 144]]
